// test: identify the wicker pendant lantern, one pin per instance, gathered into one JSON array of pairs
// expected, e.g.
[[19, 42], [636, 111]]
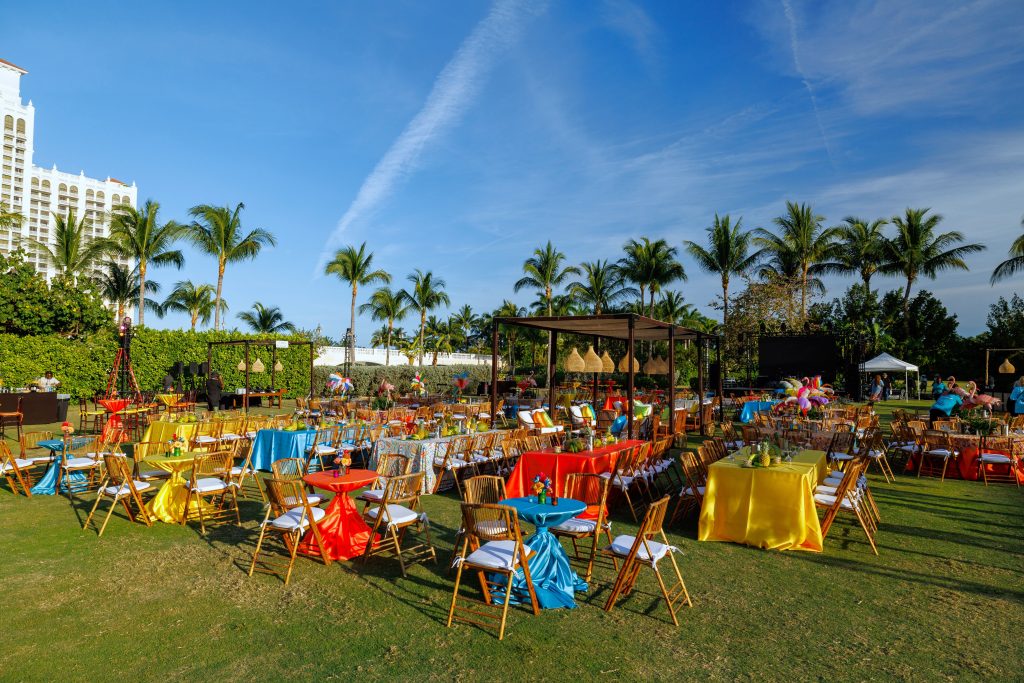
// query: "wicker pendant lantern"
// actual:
[[1006, 367], [574, 363], [607, 363], [241, 366], [278, 366], [258, 366], [651, 366], [592, 362], [624, 364]]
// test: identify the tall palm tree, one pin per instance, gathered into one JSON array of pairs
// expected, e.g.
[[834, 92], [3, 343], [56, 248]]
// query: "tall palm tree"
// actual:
[[860, 247], [544, 272], [355, 267], [381, 337], [120, 285], [72, 253], [195, 300], [426, 294], [1013, 264], [801, 240], [917, 251], [8, 218], [727, 254], [784, 267], [266, 319], [510, 309], [389, 306], [217, 230], [137, 234], [463, 323], [651, 266], [439, 337], [600, 286]]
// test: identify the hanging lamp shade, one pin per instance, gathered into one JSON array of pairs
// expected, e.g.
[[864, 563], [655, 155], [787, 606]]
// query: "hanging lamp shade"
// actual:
[[278, 367], [663, 363], [258, 366], [624, 364], [592, 362], [241, 366], [1006, 367], [651, 366], [608, 365], [575, 363]]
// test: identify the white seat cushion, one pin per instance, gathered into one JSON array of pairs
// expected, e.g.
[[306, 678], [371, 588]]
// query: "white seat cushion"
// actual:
[[205, 439], [577, 526], [323, 449], [80, 463], [832, 481], [97, 456], [229, 437], [941, 452], [208, 485], [372, 494], [842, 456], [496, 555], [22, 464], [551, 430], [397, 513], [990, 458], [294, 519], [688, 490], [237, 470], [624, 543], [154, 474], [41, 458], [292, 501], [875, 455], [828, 500], [123, 490]]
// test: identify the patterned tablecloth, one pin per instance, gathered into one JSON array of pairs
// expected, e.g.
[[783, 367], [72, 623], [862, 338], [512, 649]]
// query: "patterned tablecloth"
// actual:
[[422, 452]]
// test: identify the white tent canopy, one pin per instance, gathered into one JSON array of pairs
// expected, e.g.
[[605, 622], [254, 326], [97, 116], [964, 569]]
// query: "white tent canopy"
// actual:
[[885, 362]]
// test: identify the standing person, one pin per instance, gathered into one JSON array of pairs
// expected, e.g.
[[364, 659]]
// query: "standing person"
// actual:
[[48, 382], [886, 386], [876, 389], [945, 406], [214, 387], [938, 387], [1015, 404]]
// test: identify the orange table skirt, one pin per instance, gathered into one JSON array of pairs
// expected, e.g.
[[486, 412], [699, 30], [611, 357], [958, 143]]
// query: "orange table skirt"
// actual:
[[966, 465], [558, 466]]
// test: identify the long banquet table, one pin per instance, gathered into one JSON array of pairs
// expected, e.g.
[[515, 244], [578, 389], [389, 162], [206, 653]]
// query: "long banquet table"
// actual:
[[558, 466], [422, 452], [770, 508]]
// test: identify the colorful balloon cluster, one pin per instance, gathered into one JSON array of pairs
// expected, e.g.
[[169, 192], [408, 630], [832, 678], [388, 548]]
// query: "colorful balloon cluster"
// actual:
[[336, 383], [806, 393]]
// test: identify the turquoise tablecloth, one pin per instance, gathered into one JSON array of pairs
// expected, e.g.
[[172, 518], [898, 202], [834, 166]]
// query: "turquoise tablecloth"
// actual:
[[751, 408], [554, 581], [272, 444], [47, 485]]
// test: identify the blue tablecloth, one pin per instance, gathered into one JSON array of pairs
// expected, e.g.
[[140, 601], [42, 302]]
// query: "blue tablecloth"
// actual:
[[554, 581], [750, 408], [272, 444], [47, 485]]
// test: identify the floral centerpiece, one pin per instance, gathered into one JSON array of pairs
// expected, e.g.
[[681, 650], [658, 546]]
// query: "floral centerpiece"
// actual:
[[542, 487], [343, 460], [178, 444]]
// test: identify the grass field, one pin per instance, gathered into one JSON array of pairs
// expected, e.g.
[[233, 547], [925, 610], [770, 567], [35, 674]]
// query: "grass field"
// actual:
[[942, 601]]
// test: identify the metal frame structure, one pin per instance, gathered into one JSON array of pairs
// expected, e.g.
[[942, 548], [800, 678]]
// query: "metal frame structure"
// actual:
[[273, 361], [628, 327]]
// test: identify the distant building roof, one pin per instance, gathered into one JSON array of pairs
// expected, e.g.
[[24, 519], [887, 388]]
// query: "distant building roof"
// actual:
[[119, 182], [13, 66]]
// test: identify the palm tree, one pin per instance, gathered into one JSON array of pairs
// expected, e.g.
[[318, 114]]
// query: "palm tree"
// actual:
[[355, 267], [651, 266], [803, 241], [784, 267], [544, 272], [387, 305], [217, 230], [510, 310], [463, 323], [380, 337], [1013, 264], [8, 218], [426, 294], [120, 285], [860, 247], [138, 235], [195, 300], [917, 251], [72, 252], [600, 286], [266, 320], [439, 337], [728, 254]]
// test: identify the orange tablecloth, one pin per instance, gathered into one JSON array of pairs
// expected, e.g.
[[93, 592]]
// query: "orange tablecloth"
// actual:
[[113, 406], [558, 466], [966, 464], [343, 531]]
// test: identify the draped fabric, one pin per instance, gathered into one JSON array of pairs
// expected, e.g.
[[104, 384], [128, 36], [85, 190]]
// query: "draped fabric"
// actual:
[[342, 529], [274, 444], [47, 484], [558, 466]]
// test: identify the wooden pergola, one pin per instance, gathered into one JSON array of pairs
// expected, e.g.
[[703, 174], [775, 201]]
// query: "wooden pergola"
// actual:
[[628, 327], [273, 343]]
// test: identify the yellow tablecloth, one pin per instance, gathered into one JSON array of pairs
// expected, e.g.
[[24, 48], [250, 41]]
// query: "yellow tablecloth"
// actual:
[[769, 508], [168, 505], [162, 432], [169, 400]]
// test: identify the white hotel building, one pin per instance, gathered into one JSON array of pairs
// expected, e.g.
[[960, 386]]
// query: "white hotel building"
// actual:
[[38, 193]]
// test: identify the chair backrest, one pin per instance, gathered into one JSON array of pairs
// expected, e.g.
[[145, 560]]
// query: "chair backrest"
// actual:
[[842, 442], [32, 439], [653, 521], [217, 463], [933, 439], [485, 522], [588, 488], [118, 470], [289, 468], [7, 463], [283, 493], [483, 489], [403, 490]]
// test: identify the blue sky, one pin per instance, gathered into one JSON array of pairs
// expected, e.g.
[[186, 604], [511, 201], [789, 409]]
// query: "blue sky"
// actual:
[[458, 136]]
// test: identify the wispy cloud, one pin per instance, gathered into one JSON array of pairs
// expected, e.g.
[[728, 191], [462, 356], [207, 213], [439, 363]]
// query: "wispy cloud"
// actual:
[[453, 92], [633, 22], [794, 47]]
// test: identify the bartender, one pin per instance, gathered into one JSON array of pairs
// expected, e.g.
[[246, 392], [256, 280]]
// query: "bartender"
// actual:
[[48, 382], [214, 386]]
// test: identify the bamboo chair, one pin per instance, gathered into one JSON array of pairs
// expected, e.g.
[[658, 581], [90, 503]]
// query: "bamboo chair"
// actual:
[[85, 459], [244, 475], [322, 446], [17, 471], [873, 448], [294, 469], [397, 512], [456, 459], [388, 465], [691, 495], [642, 550], [210, 478], [591, 489], [119, 486], [207, 436], [844, 498], [479, 489], [493, 544], [29, 442], [997, 461], [840, 449], [291, 522], [142, 450], [732, 441], [935, 445], [663, 465], [629, 474]]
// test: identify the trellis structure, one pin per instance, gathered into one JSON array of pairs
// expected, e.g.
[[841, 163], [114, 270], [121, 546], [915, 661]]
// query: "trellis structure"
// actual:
[[275, 344]]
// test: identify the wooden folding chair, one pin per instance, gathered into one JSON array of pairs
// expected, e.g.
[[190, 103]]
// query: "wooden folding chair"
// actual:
[[87, 459], [935, 445], [388, 465], [482, 488], [291, 522], [493, 544], [30, 450], [397, 512], [294, 469], [210, 478], [844, 497], [991, 464], [119, 487], [691, 495], [591, 489], [17, 471], [642, 550], [873, 448], [629, 475]]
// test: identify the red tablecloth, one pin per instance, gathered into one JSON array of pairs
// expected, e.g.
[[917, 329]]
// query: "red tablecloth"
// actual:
[[558, 466], [342, 529], [113, 406]]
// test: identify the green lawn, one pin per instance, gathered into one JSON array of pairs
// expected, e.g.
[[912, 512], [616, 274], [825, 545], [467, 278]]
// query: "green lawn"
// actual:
[[942, 601]]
